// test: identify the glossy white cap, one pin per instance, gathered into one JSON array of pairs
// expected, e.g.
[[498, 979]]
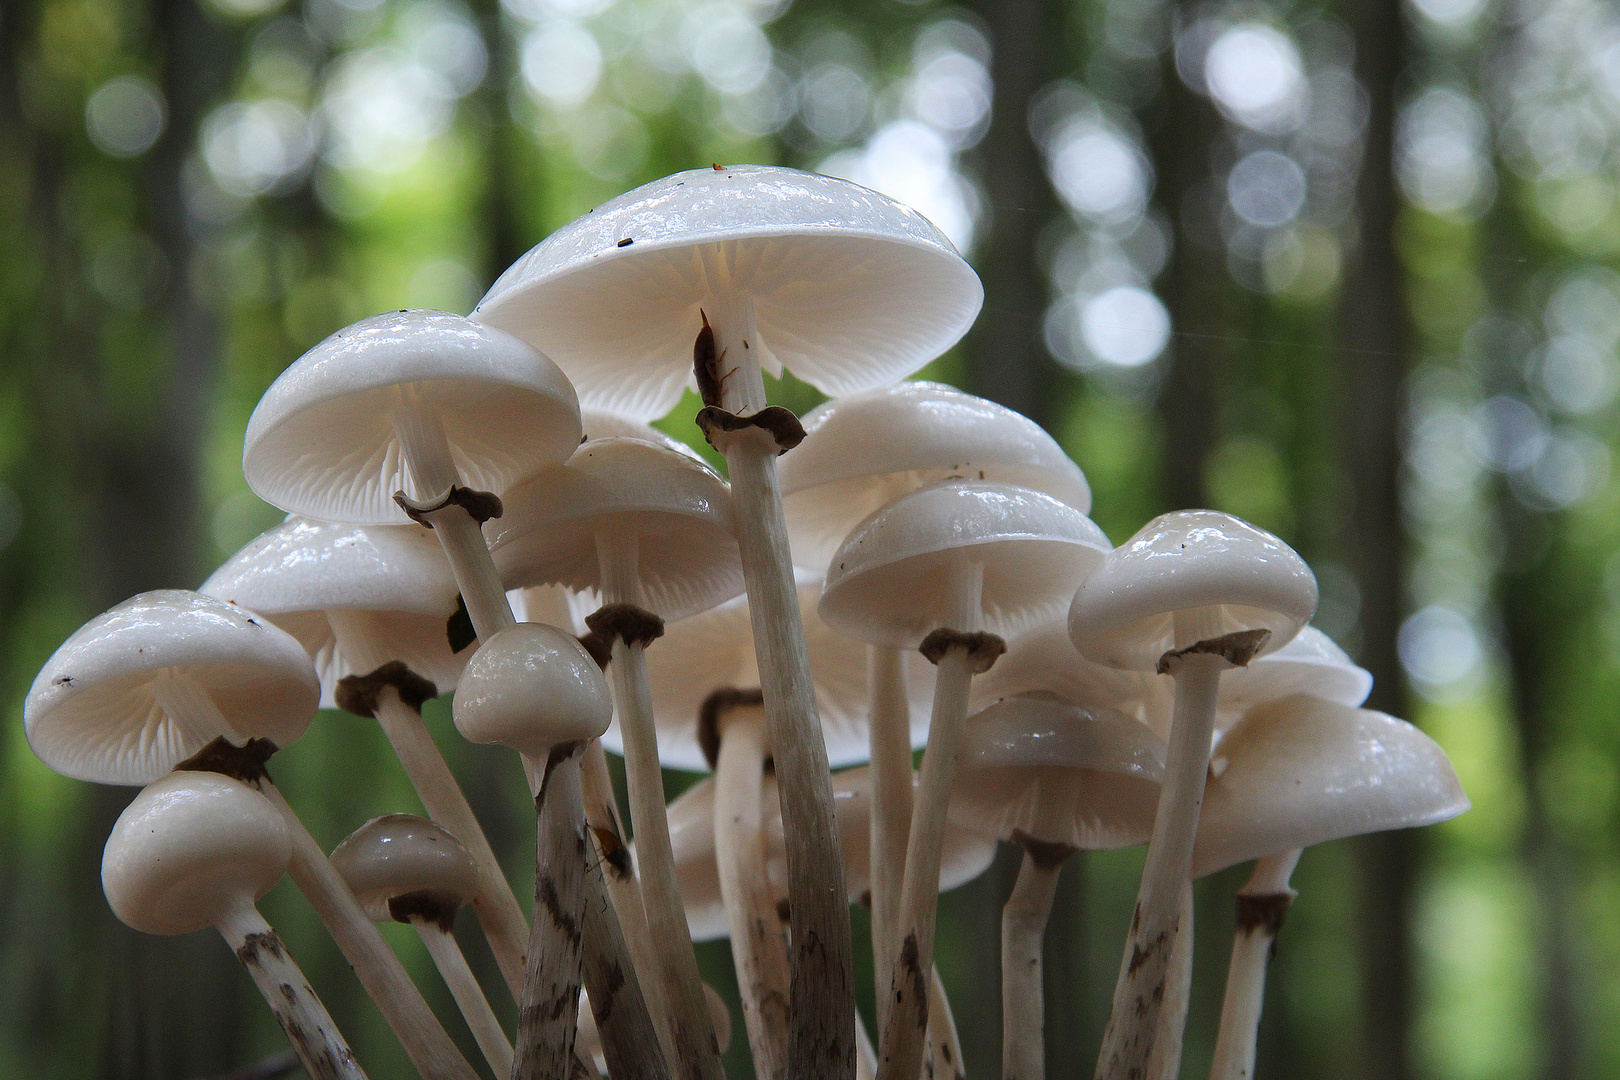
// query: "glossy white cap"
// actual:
[[190, 849], [865, 450], [530, 687], [1059, 773], [677, 508], [1186, 577], [396, 854], [389, 584], [691, 833], [889, 581], [321, 442], [91, 713], [715, 649], [1302, 771], [850, 289]]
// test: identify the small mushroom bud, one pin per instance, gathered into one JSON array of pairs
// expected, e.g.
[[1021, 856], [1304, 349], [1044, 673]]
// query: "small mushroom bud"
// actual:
[[532, 687], [196, 849], [535, 689], [405, 868]]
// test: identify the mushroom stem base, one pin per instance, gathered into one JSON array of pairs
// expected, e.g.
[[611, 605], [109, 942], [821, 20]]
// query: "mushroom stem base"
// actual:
[[629, 1041], [549, 1008], [470, 999], [315, 1038], [891, 808], [820, 1046], [619, 876], [757, 946], [1023, 932], [1261, 904], [1140, 993], [901, 1048], [697, 1054]]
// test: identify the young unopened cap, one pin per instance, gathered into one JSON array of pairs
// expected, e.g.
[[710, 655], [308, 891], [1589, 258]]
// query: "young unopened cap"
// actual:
[[397, 854], [862, 451], [91, 713], [889, 582], [191, 848], [390, 582], [321, 442], [1302, 771], [1200, 568], [850, 289], [531, 687], [678, 510], [1087, 778]]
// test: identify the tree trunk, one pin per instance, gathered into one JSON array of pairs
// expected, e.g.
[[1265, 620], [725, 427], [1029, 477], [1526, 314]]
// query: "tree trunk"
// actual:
[[1374, 340]]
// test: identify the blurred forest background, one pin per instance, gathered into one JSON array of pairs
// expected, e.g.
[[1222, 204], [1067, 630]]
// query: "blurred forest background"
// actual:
[[1346, 270]]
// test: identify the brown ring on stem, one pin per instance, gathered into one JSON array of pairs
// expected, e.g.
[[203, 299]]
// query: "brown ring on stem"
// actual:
[[481, 506]]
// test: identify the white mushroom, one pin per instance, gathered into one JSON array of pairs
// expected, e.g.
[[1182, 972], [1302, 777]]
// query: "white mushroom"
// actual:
[[1191, 594], [188, 668], [371, 605], [420, 403], [863, 451], [1053, 778], [405, 868], [647, 528], [196, 849], [947, 568], [753, 269], [147, 684], [1295, 772], [859, 453], [535, 689]]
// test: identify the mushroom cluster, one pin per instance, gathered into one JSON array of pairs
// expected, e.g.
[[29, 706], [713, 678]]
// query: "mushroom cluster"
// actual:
[[905, 568]]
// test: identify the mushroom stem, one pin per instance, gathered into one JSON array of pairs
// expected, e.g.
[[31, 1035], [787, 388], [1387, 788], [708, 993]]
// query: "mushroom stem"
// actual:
[[619, 874], [376, 966], [865, 1056], [314, 1037], [497, 908], [629, 1040], [1023, 932], [433, 472], [890, 737], [379, 970], [470, 999], [757, 947], [697, 1054], [1133, 1021], [822, 959], [1261, 904], [944, 1046], [904, 1030], [548, 1016], [1165, 1061]]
